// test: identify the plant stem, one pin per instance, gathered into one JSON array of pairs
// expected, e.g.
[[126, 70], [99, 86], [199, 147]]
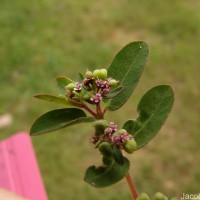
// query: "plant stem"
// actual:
[[99, 111], [92, 112], [131, 186]]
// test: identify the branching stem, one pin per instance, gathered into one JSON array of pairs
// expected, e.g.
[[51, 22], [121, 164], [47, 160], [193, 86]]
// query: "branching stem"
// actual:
[[92, 112], [132, 187], [100, 114]]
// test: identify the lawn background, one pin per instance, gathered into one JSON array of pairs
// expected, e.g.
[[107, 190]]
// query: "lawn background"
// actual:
[[40, 40]]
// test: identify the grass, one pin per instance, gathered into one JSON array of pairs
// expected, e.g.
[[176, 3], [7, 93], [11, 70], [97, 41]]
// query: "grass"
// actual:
[[40, 40]]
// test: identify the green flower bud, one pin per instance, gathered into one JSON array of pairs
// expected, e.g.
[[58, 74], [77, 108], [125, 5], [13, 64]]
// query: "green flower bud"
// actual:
[[105, 148], [100, 126], [96, 73], [160, 196], [101, 122], [113, 83], [130, 146], [88, 74], [143, 196], [119, 132], [70, 87], [102, 74]]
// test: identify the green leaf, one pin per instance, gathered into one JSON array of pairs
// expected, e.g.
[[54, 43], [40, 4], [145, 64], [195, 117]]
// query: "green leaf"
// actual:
[[57, 119], [108, 174], [54, 99], [63, 81], [129, 126], [153, 109], [117, 155], [80, 77], [127, 67], [57, 99], [113, 93]]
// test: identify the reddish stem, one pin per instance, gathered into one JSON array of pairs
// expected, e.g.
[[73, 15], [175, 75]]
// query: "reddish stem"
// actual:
[[92, 112], [99, 111], [131, 186]]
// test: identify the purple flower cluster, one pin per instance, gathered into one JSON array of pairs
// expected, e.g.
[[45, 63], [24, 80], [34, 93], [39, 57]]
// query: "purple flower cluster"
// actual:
[[102, 89], [101, 83], [113, 135], [96, 83], [96, 98], [108, 132], [88, 83], [119, 140]]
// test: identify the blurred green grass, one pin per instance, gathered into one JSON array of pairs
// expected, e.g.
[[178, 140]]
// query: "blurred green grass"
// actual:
[[40, 40]]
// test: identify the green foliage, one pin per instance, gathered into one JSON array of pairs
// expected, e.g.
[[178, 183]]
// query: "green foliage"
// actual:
[[153, 110], [56, 99], [34, 49], [127, 67], [57, 119], [118, 156], [106, 148], [115, 92], [80, 76], [108, 174], [109, 150], [62, 81]]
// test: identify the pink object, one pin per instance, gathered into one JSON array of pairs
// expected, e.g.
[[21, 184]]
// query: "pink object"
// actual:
[[19, 171]]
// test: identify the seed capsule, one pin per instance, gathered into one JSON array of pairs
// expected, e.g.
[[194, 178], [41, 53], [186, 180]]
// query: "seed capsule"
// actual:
[[88, 74], [102, 74], [100, 126], [70, 87], [96, 73], [130, 146], [102, 123], [113, 83], [119, 132], [160, 196], [143, 196]]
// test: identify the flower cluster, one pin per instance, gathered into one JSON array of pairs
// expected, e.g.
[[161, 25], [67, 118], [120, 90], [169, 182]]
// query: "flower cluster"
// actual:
[[115, 136], [118, 138], [93, 87]]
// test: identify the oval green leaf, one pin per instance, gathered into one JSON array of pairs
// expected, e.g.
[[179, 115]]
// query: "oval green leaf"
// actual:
[[153, 110], [108, 174], [57, 119], [58, 99], [127, 67]]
